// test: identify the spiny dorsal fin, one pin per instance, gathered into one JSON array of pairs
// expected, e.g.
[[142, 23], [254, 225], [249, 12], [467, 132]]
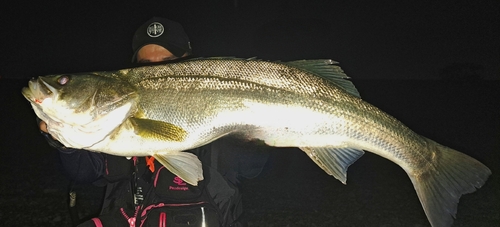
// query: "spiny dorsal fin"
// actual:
[[325, 68], [328, 69]]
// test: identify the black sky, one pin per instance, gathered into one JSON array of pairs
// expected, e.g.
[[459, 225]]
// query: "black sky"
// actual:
[[371, 39]]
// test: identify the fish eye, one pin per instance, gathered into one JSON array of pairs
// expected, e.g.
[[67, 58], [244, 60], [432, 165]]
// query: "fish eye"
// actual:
[[63, 80]]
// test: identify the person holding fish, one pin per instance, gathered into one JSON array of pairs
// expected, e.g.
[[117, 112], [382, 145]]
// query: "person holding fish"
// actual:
[[164, 110], [139, 190]]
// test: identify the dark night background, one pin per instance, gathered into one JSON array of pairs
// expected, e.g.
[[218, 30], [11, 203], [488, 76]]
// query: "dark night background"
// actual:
[[435, 65]]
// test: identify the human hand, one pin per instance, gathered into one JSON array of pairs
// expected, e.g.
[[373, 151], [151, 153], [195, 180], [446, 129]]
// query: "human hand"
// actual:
[[43, 128]]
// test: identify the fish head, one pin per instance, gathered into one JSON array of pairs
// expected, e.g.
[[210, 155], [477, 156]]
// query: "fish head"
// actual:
[[86, 104]]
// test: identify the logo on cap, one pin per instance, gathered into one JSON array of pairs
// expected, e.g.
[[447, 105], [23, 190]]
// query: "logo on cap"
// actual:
[[155, 29]]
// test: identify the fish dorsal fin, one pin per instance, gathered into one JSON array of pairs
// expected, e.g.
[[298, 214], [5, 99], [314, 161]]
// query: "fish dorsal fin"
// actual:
[[329, 70], [160, 130], [334, 161], [324, 68]]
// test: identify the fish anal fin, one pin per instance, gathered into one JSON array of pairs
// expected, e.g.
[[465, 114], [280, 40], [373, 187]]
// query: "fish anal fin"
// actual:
[[160, 130], [333, 160], [185, 165]]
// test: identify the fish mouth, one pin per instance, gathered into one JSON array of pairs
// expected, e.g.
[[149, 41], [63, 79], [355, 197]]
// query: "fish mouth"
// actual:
[[38, 90]]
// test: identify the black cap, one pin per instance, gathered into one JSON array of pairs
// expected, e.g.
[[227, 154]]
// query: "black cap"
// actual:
[[166, 33]]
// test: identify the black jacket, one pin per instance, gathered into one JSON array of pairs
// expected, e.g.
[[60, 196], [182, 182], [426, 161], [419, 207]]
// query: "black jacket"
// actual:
[[225, 162]]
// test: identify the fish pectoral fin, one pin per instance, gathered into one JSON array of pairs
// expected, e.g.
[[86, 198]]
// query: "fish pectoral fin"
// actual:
[[334, 161], [160, 130], [185, 165]]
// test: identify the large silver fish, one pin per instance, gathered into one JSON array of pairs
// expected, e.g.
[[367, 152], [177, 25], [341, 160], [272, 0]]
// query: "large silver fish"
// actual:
[[162, 110]]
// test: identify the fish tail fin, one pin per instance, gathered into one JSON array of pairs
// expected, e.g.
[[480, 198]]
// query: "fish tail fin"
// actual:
[[185, 165], [450, 175]]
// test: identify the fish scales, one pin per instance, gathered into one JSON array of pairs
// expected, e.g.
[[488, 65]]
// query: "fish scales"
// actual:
[[214, 78], [259, 72], [161, 110], [220, 77]]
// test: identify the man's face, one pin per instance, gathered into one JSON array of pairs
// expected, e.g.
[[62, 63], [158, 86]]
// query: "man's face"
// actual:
[[154, 53]]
